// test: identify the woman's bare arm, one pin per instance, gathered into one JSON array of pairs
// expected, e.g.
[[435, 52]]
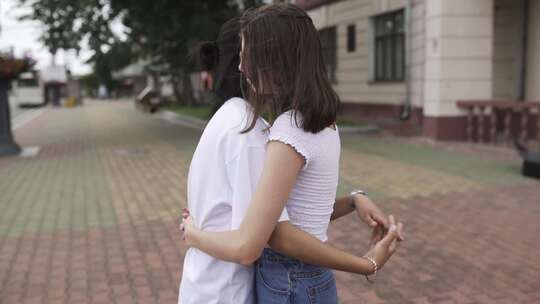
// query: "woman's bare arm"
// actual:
[[342, 207], [293, 242], [298, 244], [244, 245]]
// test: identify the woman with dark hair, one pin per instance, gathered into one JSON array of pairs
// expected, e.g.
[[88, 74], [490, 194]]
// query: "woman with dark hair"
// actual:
[[227, 166], [222, 58]]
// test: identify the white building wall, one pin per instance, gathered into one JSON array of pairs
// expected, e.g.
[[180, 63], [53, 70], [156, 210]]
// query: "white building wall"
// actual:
[[460, 49], [416, 47], [353, 69], [459, 54], [533, 53], [507, 49]]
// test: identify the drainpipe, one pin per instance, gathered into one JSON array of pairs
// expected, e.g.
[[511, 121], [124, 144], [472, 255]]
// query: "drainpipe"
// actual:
[[524, 45], [406, 111]]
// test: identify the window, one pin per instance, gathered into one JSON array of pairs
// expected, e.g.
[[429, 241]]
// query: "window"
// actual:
[[351, 38], [328, 45], [389, 34], [27, 83]]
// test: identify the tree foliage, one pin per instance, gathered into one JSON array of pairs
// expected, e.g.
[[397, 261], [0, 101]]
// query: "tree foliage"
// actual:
[[118, 56], [58, 20], [164, 31]]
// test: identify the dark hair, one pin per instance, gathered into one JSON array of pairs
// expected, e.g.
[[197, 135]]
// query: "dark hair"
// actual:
[[282, 61], [222, 58], [209, 55]]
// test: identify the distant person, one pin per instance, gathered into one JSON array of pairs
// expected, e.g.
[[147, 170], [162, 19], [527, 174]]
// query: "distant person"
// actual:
[[102, 91], [223, 175], [206, 80], [223, 67]]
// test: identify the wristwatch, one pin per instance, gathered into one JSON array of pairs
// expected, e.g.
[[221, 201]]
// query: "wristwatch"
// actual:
[[352, 194]]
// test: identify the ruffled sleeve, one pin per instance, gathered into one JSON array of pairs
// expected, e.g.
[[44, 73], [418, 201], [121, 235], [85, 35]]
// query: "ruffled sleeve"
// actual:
[[289, 131]]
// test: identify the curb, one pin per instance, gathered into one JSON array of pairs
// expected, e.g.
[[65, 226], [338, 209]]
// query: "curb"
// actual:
[[26, 117], [199, 124], [359, 130], [182, 120]]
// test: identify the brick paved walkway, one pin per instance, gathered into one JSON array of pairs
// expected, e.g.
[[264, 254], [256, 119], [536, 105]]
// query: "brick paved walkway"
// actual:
[[92, 218]]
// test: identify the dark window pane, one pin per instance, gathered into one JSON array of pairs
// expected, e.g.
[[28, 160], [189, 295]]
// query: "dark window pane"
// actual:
[[400, 57], [388, 58], [389, 25], [380, 27], [351, 38], [399, 22], [379, 63], [28, 83]]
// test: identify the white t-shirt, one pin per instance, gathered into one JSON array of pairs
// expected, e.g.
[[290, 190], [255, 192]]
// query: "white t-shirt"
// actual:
[[311, 201], [223, 176]]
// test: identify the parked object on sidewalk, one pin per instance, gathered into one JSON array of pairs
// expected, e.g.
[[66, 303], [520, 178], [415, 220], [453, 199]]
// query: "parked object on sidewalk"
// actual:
[[27, 90], [74, 96], [70, 102], [531, 160], [131, 79], [148, 100]]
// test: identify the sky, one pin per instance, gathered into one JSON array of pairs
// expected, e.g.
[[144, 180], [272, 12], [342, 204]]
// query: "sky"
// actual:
[[23, 36]]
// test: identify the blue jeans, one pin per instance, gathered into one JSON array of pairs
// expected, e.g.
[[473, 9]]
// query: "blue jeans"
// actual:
[[283, 280]]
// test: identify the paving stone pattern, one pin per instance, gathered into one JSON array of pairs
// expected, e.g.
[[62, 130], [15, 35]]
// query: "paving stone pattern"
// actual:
[[93, 218]]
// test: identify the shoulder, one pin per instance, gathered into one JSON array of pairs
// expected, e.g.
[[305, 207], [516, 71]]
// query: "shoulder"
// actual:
[[229, 122], [232, 110], [238, 116], [287, 129], [231, 116], [289, 122]]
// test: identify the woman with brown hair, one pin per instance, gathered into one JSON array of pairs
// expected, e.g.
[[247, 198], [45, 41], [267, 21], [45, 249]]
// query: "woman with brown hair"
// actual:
[[281, 60]]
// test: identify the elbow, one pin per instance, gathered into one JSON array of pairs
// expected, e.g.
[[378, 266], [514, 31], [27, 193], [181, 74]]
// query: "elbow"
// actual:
[[279, 243], [247, 259], [247, 254]]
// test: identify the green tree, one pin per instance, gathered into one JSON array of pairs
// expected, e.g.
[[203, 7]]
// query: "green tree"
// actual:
[[58, 20], [119, 55], [67, 24], [164, 31], [167, 30]]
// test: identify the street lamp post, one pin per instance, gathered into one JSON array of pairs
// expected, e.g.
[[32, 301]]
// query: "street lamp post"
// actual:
[[10, 68], [7, 144]]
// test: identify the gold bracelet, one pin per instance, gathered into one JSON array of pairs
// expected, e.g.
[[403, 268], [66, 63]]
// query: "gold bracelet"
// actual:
[[375, 268]]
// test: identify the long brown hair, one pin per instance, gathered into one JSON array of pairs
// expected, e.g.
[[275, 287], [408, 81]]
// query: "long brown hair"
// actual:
[[282, 61]]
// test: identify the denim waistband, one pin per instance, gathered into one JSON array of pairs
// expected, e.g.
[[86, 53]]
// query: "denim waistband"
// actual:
[[296, 267], [273, 256]]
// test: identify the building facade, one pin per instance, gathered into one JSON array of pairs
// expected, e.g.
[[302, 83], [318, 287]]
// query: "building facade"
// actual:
[[406, 63]]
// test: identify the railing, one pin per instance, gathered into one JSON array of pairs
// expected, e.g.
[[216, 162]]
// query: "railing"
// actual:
[[499, 121]]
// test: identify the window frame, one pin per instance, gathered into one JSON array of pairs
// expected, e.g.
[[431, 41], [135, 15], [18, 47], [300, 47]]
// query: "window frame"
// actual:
[[389, 40]]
